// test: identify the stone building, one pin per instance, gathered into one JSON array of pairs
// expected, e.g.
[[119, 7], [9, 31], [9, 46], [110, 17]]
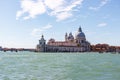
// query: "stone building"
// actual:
[[77, 43]]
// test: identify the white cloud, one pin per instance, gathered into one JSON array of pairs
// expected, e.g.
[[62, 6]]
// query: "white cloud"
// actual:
[[63, 16], [19, 13], [102, 24], [54, 4], [47, 26], [32, 8], [39, 31], [102, 3], [61, 9], [65, 11]]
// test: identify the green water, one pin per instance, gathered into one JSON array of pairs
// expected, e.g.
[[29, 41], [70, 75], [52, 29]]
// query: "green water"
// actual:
[[59, 66]]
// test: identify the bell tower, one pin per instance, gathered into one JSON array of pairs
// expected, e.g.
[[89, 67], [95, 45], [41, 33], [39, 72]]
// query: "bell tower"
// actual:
[[66, 37], [42, 44], [42, 41]]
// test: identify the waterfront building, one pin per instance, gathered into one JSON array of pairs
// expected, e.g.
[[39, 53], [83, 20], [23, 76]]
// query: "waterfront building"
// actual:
[[0, 48], [100, 48], [77, 43], [104, 48]]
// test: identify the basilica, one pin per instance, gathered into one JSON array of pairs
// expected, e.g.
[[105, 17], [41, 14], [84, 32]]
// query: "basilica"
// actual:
[[77, 43]]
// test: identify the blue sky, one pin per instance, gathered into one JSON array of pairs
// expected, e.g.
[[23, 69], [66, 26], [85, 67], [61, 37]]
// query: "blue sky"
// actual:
[[23, 21]]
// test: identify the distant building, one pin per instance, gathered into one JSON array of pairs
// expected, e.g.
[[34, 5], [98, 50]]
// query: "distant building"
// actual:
[[71, 43], [0, 48]]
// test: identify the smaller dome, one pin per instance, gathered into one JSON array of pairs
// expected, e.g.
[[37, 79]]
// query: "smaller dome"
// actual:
[[70, 36], [42, 38], [52, 40]]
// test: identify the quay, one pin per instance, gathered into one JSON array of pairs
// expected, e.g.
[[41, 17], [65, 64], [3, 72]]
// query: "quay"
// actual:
[[16, 49]]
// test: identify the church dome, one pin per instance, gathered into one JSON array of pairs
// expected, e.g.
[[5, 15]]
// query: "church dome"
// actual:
[[80, 34], [70, 36], [52, 40]]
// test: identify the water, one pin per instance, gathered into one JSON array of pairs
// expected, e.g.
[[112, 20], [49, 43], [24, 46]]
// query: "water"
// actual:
[[59, 66]]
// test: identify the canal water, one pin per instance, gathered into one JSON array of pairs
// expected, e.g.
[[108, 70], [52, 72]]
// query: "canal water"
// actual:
[[59, 66]]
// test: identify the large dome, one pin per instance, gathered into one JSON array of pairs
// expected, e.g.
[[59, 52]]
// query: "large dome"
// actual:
[[80, 34]]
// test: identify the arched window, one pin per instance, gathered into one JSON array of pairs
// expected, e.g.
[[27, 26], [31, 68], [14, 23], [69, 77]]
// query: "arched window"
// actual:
[[40, 42], [82, 41], [44, 43]]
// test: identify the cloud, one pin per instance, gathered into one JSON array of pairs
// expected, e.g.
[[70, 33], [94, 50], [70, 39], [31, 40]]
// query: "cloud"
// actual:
[[39, 31], [47, 27], [102, 3], [102, 24], [61, 9], [33, 8], [63, 16]]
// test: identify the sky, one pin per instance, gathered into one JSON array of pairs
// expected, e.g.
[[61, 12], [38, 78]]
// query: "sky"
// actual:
[[22, 22]]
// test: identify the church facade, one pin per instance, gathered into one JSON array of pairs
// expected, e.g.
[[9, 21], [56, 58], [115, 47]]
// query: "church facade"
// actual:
[[77, 43]]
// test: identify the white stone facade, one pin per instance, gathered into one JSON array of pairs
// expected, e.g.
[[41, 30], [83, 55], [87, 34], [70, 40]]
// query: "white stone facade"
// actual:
[[71, 44]]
